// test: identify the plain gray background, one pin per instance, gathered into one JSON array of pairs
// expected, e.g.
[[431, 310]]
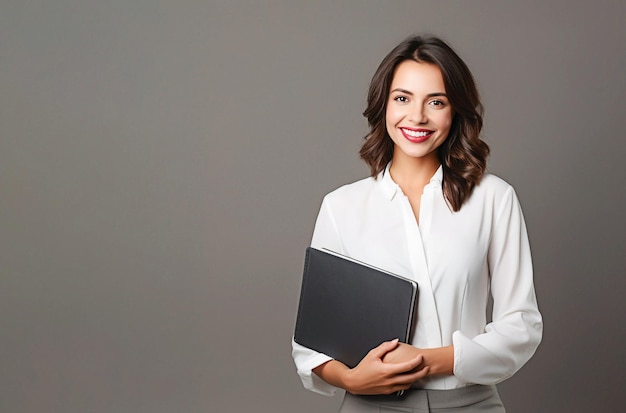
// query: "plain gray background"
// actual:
[[162, 164]]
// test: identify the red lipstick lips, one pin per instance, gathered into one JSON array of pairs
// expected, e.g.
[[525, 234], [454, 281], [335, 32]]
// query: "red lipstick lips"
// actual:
[[416, 135]]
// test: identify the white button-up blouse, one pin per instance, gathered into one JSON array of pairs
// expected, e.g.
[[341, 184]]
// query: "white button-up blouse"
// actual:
[[457, 258]]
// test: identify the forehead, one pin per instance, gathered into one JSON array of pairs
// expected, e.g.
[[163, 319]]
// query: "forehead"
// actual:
[[418, 76]]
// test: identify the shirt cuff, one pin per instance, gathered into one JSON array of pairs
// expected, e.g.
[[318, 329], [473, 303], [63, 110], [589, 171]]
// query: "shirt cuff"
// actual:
[[475, 364], [306, 360]]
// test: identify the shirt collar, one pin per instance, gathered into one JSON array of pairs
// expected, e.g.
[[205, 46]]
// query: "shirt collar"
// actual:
[[390, 188]]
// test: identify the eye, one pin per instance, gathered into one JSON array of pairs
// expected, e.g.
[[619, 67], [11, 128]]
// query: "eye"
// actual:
[[401, 99], [438, 103]]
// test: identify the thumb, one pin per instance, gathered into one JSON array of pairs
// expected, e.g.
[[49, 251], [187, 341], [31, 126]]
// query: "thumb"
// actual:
[[384, 348]]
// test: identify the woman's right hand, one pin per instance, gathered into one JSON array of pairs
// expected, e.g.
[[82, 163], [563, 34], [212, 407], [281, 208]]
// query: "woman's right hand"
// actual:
[[372, 375]]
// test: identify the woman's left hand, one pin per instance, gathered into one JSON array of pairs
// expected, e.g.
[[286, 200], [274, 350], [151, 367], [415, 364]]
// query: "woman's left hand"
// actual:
[[403, 352], [440, 360]]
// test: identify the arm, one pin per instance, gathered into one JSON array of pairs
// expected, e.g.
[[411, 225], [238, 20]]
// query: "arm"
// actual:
[[515, 332], [321, 374], [371, 375], [326, 235], [440, 361], [306, 360]]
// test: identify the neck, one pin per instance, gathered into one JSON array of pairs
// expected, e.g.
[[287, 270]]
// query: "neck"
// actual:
[[412, 174]]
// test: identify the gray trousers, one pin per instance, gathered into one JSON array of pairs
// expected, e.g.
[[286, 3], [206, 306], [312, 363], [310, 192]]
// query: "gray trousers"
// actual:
[[471, 399]]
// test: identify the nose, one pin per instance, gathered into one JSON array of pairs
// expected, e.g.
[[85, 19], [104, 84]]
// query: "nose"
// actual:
[[418, 115]]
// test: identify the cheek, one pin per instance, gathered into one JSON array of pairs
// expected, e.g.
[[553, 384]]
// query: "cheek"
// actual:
[[388, 120], [392, 116], [445, 120], [389, 127]]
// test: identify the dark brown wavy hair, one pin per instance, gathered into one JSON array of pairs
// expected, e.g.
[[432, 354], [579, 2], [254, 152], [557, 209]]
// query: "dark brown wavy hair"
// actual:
[[463, 155]]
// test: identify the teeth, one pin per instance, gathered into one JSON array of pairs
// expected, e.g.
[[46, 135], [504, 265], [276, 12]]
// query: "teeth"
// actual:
[[415, 134]]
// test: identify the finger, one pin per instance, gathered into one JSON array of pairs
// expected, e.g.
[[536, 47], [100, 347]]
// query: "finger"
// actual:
[[405, 381], [405, 366], [384, 348], [418, 375]]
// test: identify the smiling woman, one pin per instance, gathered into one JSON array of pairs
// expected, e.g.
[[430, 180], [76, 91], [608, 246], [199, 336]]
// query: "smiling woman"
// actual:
[[418, 115], [418, 119], [464, 154], [429, 212]]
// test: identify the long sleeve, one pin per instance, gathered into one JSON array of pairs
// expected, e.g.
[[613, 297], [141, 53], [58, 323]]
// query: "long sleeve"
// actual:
[[324, 236], [306, 360], [516, 328], [458, 259]]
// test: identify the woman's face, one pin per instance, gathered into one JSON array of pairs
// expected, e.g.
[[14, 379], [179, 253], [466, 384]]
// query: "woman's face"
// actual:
[[418, 115]]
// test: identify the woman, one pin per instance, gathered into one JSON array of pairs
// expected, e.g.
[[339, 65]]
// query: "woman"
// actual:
[[430, 212]]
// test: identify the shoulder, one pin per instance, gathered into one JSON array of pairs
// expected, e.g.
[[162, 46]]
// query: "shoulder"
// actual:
[[494, 194], [493, 185], [353, 192]]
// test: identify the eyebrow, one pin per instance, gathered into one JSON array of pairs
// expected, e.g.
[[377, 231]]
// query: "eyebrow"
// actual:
[[407, 92]]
